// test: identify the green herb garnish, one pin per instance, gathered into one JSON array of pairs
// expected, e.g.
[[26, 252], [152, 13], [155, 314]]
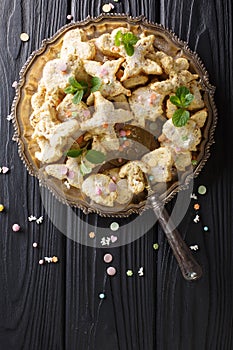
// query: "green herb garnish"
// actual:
[[92, 156], [128, 40], [78, 89], [96, 84], [182, 100]]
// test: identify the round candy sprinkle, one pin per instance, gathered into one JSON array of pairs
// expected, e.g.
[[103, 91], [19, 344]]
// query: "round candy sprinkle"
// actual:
[[41, 261], [129, 273], [24, 37], [111, 271], [112, 187], [196, 206], [69, 17], [107, 7], [35, 245], [102, 296], [201, 189], [151, 177], [15, 227], [92, 234], [206, 228], [54, 259], [108, 258], [122, 133], [1, 207], [155, 246], [114, 226]]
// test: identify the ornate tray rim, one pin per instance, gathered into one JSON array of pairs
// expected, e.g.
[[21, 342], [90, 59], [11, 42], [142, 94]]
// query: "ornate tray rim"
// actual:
[[140, 20]]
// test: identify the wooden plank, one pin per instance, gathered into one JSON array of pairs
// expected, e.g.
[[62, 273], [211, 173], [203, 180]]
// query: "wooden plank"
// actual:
[[57, 306], [32, 296]]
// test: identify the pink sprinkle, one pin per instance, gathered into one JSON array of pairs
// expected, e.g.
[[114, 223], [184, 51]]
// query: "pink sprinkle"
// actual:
[[70, 175], [5, 169], [113, 238], [35, 245], [14, 84], [111, 271], [122, 133], [86, 113], [112, 187], [64, 170], [98, 191], [103, 71], [41, 262], [15, 227], [69, 17], [107, 258], [114, 178], [120, 160], [63, 66]]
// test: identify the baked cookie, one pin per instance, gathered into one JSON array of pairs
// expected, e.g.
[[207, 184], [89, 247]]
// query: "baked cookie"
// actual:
[[160, 163], [75, 43], [98, 188], [105, 113], [107, 74], [184, 138], [146, 105], [133, 171]]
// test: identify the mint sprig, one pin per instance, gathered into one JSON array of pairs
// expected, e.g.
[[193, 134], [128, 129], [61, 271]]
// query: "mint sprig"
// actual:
[[128, 40], [92, 156], [182, 100], [78, 89]]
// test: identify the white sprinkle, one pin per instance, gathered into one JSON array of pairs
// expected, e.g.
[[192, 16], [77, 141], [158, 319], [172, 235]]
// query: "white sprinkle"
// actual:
[[14, 84], [9, 117], [48, 260], [112, 6], [196, 219], [39, 220], [193, 196], [140, 272], [194, 247], [31, 218], [66, 183], [114, 226], [69, 17]]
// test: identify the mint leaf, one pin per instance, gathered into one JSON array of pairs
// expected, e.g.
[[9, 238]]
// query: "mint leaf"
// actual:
[[73, 82], [180, 117], [175, 100], [188, 99], [129, 49], [84, 85], [74, 153], [181, 92], [118, 37], [70, 90], [129, 38], [85, 169], [78, 97], [96, 84], [95, 157]]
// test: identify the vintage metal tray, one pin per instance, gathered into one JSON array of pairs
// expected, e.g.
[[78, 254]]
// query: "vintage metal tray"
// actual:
[[31, 73]]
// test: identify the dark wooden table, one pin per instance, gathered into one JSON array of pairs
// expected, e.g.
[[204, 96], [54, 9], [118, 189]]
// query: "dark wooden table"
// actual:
[[57, 306]]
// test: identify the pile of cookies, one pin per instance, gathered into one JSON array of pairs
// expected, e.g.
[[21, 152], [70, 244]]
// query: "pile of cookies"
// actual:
[[134, 86]]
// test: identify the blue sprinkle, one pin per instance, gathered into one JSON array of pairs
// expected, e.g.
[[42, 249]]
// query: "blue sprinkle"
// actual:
[[206, 228], [101, 295], [151, 177]]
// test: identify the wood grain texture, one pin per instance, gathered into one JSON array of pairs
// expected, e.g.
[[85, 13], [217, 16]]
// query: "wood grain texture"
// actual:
[[56, 307]]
